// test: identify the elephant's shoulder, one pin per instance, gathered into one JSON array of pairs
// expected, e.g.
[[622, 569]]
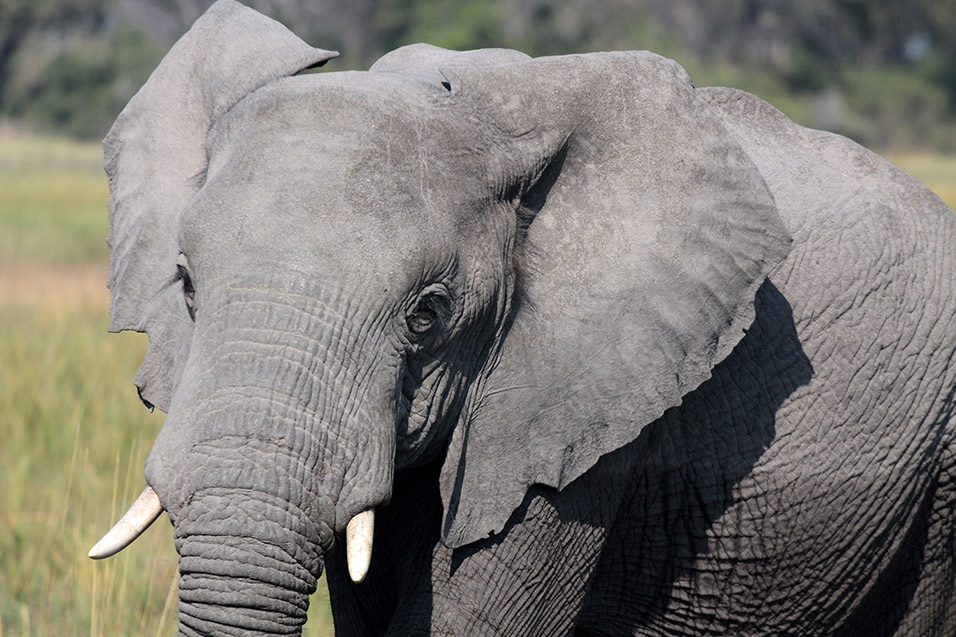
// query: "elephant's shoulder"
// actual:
[[872, 246], [833, 193]]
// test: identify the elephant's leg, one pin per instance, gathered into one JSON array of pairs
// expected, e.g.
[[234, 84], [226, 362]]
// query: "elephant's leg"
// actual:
[[933, 607], [531, 579]]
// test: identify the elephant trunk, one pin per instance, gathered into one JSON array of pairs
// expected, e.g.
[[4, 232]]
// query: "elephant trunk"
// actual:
[[249, 558], [270, 448], [208, 605], [242, 571]]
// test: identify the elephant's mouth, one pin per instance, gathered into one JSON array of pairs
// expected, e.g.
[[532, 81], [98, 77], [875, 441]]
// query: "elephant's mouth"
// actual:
[[424, 401]]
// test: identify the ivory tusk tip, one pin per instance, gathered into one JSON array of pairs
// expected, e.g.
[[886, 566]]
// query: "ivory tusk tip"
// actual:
[[143, 513], [98, 552], [358, 544]]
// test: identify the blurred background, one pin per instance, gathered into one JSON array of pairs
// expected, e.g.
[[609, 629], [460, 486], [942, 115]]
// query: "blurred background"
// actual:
[[73, 435], [882, 72]]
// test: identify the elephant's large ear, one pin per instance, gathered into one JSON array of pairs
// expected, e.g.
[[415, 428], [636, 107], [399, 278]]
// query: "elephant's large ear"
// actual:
[[155, 158], [650, 233]]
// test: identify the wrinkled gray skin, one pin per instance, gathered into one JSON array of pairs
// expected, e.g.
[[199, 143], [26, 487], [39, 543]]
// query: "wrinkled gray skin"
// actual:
[[606, 354]]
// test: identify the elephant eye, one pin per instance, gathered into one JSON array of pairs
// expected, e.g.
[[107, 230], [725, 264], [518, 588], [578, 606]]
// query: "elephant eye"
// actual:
[[433, 307], [422, 319], [189, 292]]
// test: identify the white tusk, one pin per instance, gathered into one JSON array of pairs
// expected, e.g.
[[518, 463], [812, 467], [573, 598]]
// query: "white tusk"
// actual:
[[358, 544], [143, 512]]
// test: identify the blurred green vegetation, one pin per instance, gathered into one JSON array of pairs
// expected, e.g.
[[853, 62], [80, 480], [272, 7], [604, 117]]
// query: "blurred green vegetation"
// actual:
[[53, 206], [880, 71], [79, 91], [74, 447]]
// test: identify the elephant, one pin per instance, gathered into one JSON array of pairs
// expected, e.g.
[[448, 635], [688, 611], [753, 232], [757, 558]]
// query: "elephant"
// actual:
[[528, 346]]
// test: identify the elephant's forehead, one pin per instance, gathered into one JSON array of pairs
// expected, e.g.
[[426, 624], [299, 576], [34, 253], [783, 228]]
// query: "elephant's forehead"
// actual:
[[334, 180], [380, 142]]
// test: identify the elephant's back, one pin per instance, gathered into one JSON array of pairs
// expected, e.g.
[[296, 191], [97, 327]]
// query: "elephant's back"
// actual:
[[871, 277], [862, 228]]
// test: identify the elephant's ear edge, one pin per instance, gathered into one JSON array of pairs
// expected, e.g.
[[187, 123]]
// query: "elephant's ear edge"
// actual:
[[647, 255], [155, 160]]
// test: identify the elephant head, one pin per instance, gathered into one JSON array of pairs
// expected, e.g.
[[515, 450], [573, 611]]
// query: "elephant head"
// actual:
[[509, 265]]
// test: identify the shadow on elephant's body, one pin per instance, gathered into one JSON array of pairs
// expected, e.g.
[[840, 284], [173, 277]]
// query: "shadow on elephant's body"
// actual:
[[684, 468], [652, 501]]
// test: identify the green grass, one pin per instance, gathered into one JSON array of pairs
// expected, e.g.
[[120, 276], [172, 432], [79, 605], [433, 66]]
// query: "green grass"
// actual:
[[73, 435], [53, 198], [74, 445]]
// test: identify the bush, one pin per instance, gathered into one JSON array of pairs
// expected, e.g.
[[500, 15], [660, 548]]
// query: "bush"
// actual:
[[897, 107], [80, 90]]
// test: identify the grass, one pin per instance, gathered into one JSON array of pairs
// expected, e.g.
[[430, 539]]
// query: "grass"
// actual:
[[74, 435], [53, 208], [74, 445]]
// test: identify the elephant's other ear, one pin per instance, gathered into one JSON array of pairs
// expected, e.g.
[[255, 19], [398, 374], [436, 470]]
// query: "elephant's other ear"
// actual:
[[651, 231], [155, 158]]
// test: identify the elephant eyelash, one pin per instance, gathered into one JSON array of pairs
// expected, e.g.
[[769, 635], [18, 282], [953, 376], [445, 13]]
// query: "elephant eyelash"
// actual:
[[189, 292]]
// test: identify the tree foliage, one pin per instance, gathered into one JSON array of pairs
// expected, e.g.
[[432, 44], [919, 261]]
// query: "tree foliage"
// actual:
[[881, 71], [20, 19]]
